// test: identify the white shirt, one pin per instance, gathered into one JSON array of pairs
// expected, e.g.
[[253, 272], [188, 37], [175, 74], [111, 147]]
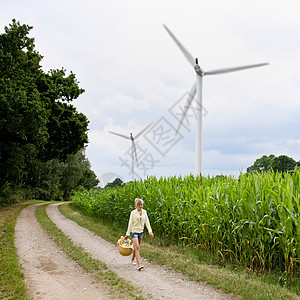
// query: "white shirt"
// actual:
[[137, 222]]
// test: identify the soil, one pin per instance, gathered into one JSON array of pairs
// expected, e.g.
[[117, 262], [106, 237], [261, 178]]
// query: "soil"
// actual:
[[50, 274]]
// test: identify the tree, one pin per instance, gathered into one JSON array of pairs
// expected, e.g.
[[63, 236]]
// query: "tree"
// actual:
[[59, 180], [38, 123], [48, 185], [262, 164], [77, 174], [88, 180], [116, 182], [66, 127], [23, 116], [281, 163]]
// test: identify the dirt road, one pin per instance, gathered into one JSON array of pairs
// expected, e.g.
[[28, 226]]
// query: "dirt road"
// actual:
[[50, 274]]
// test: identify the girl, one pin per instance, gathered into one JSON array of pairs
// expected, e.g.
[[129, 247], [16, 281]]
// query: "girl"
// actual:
[[136, 224]]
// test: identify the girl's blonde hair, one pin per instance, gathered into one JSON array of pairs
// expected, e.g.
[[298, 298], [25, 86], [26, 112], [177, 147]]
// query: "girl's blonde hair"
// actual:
[[138, 201]]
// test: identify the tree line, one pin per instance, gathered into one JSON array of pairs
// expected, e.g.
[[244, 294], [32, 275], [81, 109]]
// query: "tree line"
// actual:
[[42, 135], [281, 163]]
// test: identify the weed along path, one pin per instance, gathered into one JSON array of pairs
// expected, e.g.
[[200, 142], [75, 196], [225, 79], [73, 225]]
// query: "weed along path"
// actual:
[[49, 273], [155, 280]]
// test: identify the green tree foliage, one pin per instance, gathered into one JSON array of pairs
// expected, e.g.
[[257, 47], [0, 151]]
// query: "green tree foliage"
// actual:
[[89, 180], [38, 124], [23, 116], [73, 172], [48, 185], [59, 180], [116, 182], [66, 127], [281, 163]]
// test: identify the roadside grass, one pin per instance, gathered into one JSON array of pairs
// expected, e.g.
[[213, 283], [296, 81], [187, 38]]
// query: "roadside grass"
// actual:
[[12, 285], [118, 287], [199, 265]]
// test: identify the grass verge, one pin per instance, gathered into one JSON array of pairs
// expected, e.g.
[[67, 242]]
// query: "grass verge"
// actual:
[[12, 285], [235, 280], [117, 286]]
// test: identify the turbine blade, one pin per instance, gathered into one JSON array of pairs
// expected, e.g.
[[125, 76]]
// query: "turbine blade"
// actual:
[[144, 130], [188, 56], [189, 101], [233, 69], [121, 135], [135, 154]]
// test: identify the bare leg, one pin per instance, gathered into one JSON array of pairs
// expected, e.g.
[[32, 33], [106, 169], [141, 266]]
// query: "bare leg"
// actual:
[[133, 256], [136, 253]]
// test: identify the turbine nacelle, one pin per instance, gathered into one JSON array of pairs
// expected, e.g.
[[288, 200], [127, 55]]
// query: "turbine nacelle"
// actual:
[[198, 70]]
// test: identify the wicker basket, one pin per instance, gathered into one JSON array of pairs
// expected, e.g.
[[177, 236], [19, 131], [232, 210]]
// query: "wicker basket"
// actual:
[[125, 251]]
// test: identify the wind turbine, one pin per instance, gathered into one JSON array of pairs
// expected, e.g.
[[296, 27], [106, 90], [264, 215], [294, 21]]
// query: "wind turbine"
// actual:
[[133, 147], [197, 87]]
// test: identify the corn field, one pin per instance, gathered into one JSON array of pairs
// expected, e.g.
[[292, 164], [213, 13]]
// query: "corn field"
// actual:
[[253, 219]]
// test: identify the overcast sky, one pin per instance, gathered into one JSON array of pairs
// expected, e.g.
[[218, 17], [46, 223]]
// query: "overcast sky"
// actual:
[[134, 74]]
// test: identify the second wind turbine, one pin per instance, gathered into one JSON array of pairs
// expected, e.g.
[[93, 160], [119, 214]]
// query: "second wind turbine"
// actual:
[[133, 147], [197, 87]]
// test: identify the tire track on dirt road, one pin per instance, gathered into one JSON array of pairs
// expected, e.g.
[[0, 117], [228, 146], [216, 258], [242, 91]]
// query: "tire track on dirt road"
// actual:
[[158, 281], [49, 273]]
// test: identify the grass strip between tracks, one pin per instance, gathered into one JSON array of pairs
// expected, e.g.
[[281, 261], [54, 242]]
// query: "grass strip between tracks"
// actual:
[[118, 286], [235, 280]]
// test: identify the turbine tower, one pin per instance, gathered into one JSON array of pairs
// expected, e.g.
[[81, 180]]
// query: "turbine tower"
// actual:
[[133, 147], [197, 89]]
